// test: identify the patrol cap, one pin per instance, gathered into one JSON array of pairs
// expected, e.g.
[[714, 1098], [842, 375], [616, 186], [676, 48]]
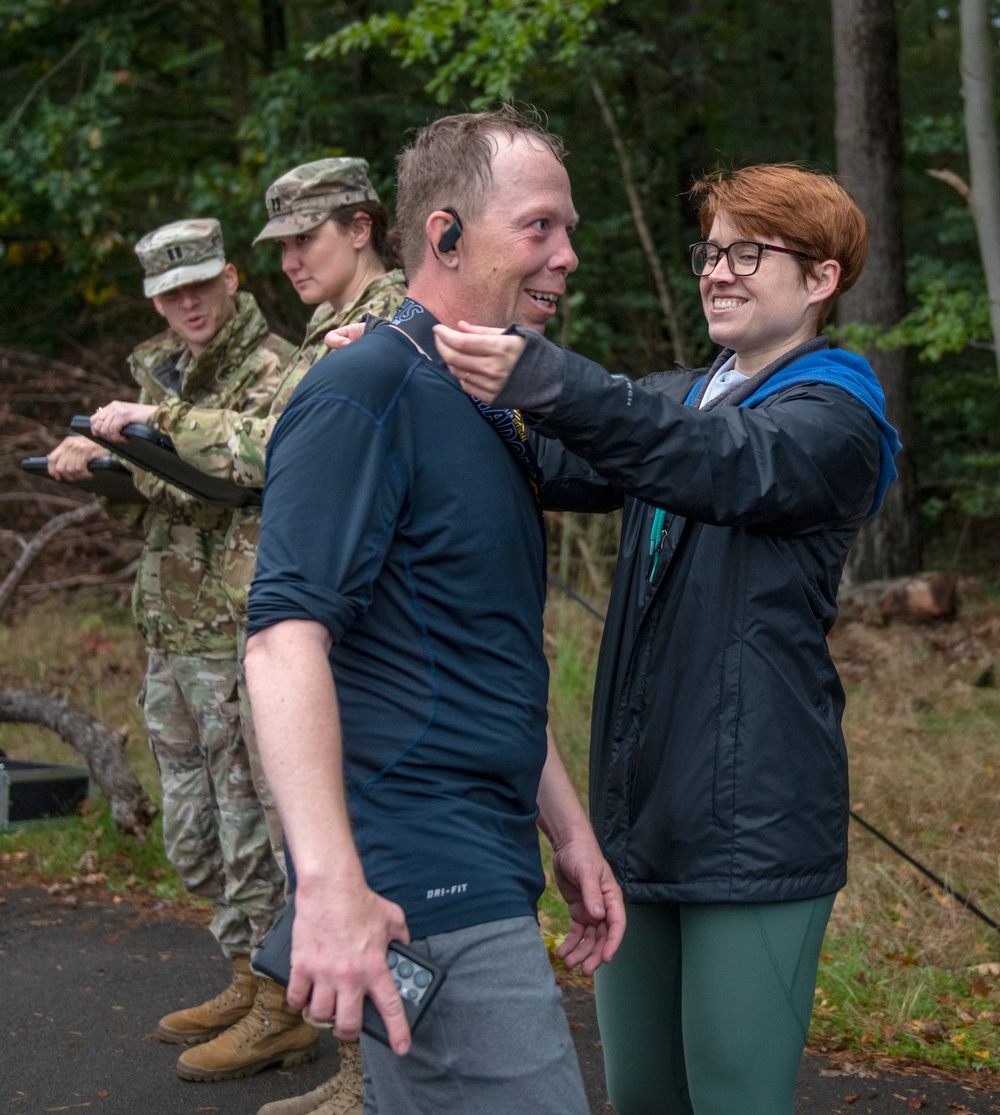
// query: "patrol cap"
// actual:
[[180, 253], [307, 195]]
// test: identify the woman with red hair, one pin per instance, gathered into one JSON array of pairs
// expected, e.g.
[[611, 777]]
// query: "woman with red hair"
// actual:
[[718, 785]]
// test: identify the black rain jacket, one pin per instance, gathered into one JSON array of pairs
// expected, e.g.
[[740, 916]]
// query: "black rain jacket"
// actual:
[[718, 764]]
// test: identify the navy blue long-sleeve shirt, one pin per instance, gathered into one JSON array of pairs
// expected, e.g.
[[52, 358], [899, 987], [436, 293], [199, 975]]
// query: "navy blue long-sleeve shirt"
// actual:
[[396, 517]]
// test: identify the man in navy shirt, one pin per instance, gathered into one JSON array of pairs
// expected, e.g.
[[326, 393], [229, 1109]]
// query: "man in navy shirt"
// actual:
[[396, 666]]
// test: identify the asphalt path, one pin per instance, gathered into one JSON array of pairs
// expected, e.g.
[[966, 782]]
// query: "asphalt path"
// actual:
[[82, 987]]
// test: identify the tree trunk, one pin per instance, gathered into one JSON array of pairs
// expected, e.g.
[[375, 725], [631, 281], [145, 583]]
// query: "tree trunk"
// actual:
[[869, 138], [981, 136], [102, 749], [272, 31], [235, 54]]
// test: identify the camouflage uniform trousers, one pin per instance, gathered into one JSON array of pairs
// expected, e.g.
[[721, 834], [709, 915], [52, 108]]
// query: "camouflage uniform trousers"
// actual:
[[271, 818], [213, 825]]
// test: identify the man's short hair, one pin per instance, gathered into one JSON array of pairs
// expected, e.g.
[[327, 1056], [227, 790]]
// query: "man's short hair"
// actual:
[[449, 164], [809, 211]]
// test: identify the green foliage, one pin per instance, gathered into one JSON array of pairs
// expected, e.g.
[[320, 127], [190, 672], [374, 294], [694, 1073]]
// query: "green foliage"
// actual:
[[951, 315], [946, 319], [483, 44], [943, 134], [955, 396], [115, 120]]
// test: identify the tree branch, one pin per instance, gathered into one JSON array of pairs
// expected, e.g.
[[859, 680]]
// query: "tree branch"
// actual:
[[120, 579], [12, 120], [39, 542], [953, 179], [670, 316]]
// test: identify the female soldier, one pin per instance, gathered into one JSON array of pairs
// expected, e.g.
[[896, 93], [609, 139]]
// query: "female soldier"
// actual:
[[718, 780]]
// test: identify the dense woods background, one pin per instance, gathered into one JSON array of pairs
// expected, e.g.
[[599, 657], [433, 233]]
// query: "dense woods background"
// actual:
[[117, 117]]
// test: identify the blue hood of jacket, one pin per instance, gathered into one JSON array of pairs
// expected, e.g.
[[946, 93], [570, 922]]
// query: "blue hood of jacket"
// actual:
[[851, 373]]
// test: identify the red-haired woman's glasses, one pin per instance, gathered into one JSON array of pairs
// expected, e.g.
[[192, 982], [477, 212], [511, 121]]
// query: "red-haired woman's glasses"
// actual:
[[743, 256]]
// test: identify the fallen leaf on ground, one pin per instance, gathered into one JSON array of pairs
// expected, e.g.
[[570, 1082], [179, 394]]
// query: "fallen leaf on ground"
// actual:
[[87, 863]]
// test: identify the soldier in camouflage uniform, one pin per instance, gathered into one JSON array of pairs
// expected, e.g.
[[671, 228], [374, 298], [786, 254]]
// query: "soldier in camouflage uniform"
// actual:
[[330, 224], [218, 352], [232, 443]]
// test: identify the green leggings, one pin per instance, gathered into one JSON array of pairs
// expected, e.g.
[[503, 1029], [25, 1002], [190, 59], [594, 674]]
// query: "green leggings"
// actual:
[[705, 1008]]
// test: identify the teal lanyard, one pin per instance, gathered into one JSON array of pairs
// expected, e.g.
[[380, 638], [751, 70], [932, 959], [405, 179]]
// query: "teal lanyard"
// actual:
[[656, 539]]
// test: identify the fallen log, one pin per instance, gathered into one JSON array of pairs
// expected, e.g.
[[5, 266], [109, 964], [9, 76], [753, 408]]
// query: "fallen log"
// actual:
[[101, 748], [921, 598]]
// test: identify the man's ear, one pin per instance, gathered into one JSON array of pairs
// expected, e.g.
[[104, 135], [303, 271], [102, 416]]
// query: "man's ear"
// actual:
[[158, 305], [823, 282], [436, 225], [232, 277]]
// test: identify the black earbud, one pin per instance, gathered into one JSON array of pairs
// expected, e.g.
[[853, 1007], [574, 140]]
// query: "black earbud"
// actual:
[[451, 234]]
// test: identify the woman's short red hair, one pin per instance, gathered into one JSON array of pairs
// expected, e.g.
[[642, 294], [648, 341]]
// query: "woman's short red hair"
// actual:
[[810, 212]]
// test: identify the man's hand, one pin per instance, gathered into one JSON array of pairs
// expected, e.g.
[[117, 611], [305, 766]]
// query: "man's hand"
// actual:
[[339, 943], [344, 335], [594, 898], [596, 907], [108, 422], [479, 357], [69, 459]]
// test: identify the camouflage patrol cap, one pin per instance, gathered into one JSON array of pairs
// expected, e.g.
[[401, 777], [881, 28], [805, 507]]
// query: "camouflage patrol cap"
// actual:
[[180, 253], [307, 195]]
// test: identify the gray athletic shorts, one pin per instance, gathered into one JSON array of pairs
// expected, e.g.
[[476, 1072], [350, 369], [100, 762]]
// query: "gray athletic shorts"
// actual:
[[495, 1041]]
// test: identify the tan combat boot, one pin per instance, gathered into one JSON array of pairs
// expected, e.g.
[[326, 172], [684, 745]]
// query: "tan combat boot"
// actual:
[[271, 1033], [201, 1023], [342, 1094]]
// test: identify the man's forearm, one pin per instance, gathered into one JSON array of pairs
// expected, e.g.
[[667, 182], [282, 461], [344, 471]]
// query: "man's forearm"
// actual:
[[297, 723], [342, 928], [593, 898], [560, 814]]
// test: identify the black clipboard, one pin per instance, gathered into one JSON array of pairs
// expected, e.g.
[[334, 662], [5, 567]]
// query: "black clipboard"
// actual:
[[108, 478], [154, 452]]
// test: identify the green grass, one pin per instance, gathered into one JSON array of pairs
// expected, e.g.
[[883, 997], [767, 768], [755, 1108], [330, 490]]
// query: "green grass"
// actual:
[[75, 847], [571, 639], [872, 997], [83, 648], [905, 972]]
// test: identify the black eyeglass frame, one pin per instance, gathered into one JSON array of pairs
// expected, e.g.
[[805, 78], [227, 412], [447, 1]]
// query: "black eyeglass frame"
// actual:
[[761, 248]]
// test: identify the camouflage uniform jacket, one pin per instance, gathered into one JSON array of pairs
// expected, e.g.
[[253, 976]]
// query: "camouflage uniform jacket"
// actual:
[[178, 600], [232, 442]]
